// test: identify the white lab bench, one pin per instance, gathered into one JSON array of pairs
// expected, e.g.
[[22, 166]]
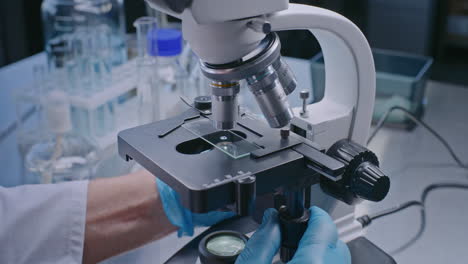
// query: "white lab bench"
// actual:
[[412, 159]]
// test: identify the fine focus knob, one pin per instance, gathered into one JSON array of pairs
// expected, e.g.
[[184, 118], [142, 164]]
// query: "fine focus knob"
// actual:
[[362, 177], [370, 183]]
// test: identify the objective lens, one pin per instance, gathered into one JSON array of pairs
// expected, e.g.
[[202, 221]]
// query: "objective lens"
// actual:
[[271, 97], [224, 101], [285, 76]]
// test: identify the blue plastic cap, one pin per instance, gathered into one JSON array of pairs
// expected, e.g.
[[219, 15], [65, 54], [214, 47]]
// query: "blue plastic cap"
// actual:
[[164, 42]]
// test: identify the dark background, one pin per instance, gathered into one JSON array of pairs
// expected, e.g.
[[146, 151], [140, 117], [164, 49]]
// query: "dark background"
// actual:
[[415, 26]]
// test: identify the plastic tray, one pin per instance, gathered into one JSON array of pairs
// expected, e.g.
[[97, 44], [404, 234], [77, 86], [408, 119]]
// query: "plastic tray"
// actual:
[[401, 80]]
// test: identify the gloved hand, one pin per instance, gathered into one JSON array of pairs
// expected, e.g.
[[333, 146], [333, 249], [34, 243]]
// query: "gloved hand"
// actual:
[[320, 243], [182, 217], [263, 245]]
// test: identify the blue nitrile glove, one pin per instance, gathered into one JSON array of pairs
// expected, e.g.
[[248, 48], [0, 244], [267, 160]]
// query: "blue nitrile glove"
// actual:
[[263, 245], [182, 217], [320, 243]]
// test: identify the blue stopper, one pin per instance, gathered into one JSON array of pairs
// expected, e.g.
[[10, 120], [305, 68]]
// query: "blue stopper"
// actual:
[[164, 42]]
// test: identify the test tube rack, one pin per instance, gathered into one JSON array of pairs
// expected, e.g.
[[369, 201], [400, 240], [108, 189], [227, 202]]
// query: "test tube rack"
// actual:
[[101, 115]]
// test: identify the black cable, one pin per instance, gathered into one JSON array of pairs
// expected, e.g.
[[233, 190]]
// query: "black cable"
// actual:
[[366, 220], [396, 209], [413, 118]]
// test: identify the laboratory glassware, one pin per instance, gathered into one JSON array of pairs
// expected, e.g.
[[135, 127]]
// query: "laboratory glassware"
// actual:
[[146, 71], [60, 155], [30, 127], [172, 80], [83, 41]]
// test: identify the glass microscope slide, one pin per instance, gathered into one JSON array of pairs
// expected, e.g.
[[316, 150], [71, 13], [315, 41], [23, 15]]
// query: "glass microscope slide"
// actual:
[[227, 141]]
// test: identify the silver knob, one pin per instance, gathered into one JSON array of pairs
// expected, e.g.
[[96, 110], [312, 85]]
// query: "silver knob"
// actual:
[[260, 26], [304, 96]]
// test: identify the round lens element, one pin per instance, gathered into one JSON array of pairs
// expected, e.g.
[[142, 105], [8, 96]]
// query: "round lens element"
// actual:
[[225, 245], [221, 247]]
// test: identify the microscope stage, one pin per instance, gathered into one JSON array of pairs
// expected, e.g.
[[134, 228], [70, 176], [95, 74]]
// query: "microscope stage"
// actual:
[[203, 175]]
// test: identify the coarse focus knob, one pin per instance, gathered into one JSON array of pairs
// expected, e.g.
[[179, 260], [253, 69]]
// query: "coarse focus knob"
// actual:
[[362, 177]]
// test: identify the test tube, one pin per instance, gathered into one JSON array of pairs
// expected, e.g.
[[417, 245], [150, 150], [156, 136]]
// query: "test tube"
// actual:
[[143, 26], [86, 63], [97, 62], [104, 56], [146, 71], [72, 65]]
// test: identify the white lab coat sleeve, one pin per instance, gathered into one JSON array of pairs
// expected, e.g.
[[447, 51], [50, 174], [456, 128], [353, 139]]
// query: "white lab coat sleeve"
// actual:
[[43, 223]]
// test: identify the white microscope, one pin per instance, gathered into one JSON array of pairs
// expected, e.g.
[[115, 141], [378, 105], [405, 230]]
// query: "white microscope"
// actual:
[[231, 160]]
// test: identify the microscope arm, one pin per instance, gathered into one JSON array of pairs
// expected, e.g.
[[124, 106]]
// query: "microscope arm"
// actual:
[[348, 103]]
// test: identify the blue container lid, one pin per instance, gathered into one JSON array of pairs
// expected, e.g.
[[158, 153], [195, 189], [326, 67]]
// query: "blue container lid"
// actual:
[[164, 42]]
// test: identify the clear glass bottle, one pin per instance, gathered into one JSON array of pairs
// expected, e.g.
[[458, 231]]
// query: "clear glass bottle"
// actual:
[[60, 155], [30, 125], [84, 39], [172, 78]]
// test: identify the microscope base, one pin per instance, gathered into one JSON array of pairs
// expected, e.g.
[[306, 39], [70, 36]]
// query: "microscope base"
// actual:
[[365, 252], [362, 250]]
